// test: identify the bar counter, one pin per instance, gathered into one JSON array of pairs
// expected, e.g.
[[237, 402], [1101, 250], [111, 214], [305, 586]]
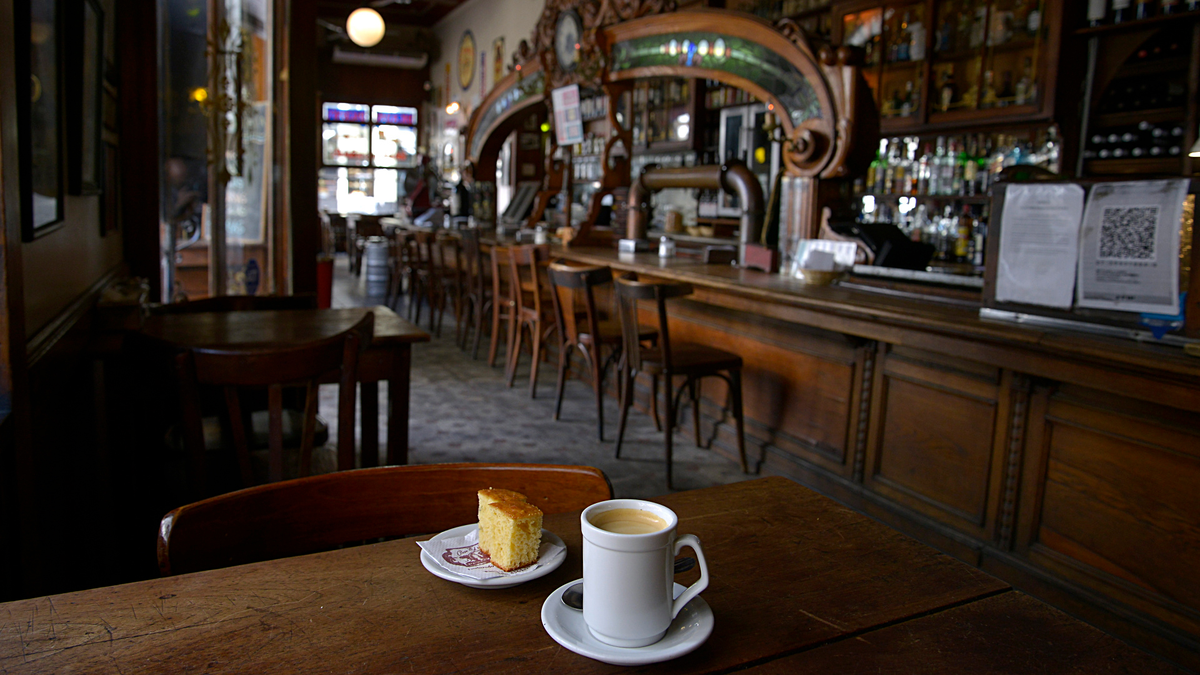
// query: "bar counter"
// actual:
[[1065, 463]]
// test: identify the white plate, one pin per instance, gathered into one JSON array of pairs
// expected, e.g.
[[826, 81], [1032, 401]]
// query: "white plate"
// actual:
[[688, 631], [495, 582]]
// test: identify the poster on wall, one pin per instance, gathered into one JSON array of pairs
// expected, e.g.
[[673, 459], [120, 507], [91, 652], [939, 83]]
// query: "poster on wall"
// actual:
[[568, 125], [497, 60], [466, 60]]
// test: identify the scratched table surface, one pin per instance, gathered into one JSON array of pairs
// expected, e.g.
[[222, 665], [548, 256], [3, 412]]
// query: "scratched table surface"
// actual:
[[798, 584]]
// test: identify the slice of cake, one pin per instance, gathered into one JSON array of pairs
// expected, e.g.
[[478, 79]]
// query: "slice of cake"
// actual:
[[491, 495], [510, 533]]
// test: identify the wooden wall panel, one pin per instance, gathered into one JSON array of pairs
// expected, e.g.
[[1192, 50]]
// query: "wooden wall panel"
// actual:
[[1118, 508], [934, 440]]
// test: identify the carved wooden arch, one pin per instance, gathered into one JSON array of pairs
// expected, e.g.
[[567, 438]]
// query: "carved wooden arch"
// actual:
[[816, 146], [492, 121]]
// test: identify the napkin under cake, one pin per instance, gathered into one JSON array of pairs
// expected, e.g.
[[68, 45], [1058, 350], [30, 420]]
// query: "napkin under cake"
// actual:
[[510, 528]]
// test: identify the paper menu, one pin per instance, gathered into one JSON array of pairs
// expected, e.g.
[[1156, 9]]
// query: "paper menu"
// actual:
[[1039, 244], [568, 123], [1129, 246]]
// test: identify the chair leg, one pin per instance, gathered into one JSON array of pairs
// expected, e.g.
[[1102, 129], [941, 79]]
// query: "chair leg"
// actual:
[[735, 378], [535, 335], [514, 354], [626, 376], [654, 400], [695, 391], [479, 312], [564, 359], [495, 343], [669, 431], [598, 385]]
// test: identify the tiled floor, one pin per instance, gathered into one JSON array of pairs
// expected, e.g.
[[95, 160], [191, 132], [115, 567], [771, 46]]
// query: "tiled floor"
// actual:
[[463, 412]]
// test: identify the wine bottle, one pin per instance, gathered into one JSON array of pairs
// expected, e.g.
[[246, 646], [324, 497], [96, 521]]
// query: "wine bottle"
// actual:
[[1119, 9], [1144, 9], [1096, 12]]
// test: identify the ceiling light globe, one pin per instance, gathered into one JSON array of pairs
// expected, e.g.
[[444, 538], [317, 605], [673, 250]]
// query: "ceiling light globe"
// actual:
[[365, 27]]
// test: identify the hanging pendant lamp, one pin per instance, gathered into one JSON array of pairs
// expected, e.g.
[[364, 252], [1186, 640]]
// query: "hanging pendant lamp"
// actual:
[[365, 27]]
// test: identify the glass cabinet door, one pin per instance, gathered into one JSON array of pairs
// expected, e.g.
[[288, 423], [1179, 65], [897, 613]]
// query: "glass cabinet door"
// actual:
[[904, 44], [960, 33], [1015, 46]]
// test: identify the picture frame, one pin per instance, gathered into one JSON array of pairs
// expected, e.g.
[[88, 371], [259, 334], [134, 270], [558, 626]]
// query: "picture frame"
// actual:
[[40, 117], [85, 92], [530, 141]]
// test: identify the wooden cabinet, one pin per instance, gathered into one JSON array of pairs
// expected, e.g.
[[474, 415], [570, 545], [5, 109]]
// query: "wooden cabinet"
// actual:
[[955, 64]]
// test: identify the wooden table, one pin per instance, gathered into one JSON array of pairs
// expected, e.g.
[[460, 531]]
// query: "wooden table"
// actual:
[[796, 581], [389, 358]]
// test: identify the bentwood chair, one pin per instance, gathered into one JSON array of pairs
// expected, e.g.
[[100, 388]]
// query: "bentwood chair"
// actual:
[[502, 303], [532, 309], [476, 297], [320, 513], [448, 258], [236, 372], [580, 327], [691, 361]]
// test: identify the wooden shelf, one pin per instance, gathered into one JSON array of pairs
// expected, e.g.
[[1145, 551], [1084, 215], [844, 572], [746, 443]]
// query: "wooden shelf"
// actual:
[[1143, 24], [1143, 165], [1153, 116], [1175, 64]]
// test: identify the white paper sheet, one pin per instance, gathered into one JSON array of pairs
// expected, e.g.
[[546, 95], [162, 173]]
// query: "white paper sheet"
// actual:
[[1129, 246], [1039, 244], [461, 555]]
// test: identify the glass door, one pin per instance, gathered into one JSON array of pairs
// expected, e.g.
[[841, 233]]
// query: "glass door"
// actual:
[[215, 73]]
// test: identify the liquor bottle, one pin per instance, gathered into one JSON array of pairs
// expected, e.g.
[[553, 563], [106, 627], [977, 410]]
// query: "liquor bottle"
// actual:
[[906, 104], [912, 167], [1033, 20], [1144, 9], [1097, 10], [880, 167], [980, 235], [1119, 10], [989, 90], [923, 171], [946, 180], [961, 37], [893, 162], [949, 90], [970, 167], [945, 35], [1025, 83], [935, 167], [1007, 93], [916, 42], [903, 40], [982, 178], [962, 239], [996, 162], [1050, 150], [959, 156]]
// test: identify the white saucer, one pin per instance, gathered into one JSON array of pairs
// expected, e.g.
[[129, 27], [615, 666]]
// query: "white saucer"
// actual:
[[495, 582], [688, 631]]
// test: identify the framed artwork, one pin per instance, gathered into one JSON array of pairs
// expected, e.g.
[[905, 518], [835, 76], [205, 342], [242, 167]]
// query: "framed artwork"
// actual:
[[530, 141], [466, 60], [497, 60], [85, 93], [41, 118]]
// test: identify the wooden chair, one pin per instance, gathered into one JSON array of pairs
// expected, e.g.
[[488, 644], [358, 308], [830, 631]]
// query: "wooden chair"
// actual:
[[531, 308], [502, 302], [448, 258], [238, 303], [271, 367], [476, 297], [582, 328], [323, 512], [692, 361]]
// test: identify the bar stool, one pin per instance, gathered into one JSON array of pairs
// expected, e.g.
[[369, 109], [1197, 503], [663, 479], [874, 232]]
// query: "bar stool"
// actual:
[[583, 329], [531, 309], [692, 361]]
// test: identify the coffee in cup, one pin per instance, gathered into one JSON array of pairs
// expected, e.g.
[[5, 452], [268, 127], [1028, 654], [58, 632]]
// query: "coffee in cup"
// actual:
[[628, 521], [629, 547]]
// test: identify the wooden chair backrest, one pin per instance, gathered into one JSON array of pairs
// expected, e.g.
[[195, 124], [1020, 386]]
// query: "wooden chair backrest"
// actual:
[[472, 257], [272, 367], [629, 292], [567, 285], [239, 303], [323, 512], [524, 275]]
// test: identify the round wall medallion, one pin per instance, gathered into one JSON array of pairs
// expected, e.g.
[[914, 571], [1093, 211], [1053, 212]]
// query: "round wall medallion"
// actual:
[[567, 34], [466, 59]]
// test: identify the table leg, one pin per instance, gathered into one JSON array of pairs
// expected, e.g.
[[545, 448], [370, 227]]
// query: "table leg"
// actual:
[[370, 424], [398, 385]]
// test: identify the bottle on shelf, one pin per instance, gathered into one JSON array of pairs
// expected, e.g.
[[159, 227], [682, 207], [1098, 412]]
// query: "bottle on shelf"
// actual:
[[1120, 10], [1144, 9], [970, 172], [1026, 89], [945, 38], [935, 167], [880, 167], [963, 236], [893, 164], [903, 40], [958, 157], [948, 91], [1166, 7], [916, 42], [923, 168], [1097, 11]]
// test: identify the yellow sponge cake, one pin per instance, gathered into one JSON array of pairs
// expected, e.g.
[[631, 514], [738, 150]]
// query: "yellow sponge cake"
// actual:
[[492, 495], [510, 533]]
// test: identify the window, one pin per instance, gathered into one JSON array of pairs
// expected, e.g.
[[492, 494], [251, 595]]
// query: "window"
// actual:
[[364, 152]]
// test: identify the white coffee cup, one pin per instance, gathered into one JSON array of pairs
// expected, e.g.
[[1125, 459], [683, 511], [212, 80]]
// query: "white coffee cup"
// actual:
[[628, 579]]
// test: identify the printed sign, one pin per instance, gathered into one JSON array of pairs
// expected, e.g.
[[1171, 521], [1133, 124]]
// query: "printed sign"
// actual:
[[568, 123]]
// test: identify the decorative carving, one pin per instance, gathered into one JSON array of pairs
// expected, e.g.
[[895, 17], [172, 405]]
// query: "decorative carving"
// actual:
[[523, 54], [792, 31], [1016, 442], [864, 409], [595, 15]]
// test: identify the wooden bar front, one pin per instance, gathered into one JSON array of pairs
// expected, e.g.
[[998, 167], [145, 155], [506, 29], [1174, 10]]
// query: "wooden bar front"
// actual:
[[1064, 463]]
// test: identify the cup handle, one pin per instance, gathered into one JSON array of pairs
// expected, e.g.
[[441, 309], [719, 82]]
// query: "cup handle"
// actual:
[[695, 589]]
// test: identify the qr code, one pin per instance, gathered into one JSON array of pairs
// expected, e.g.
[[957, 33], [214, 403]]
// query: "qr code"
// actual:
[[1127, 232]]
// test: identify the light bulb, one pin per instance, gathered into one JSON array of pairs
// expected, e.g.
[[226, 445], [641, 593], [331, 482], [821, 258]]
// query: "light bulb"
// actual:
[[365, 27]]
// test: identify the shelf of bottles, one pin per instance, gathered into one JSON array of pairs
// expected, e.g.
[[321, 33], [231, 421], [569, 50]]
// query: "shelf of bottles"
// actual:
[[935, 189], [662, 112], [1133, 14], [894, 39], [986, 55], [1138, 123], [812, 15]]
